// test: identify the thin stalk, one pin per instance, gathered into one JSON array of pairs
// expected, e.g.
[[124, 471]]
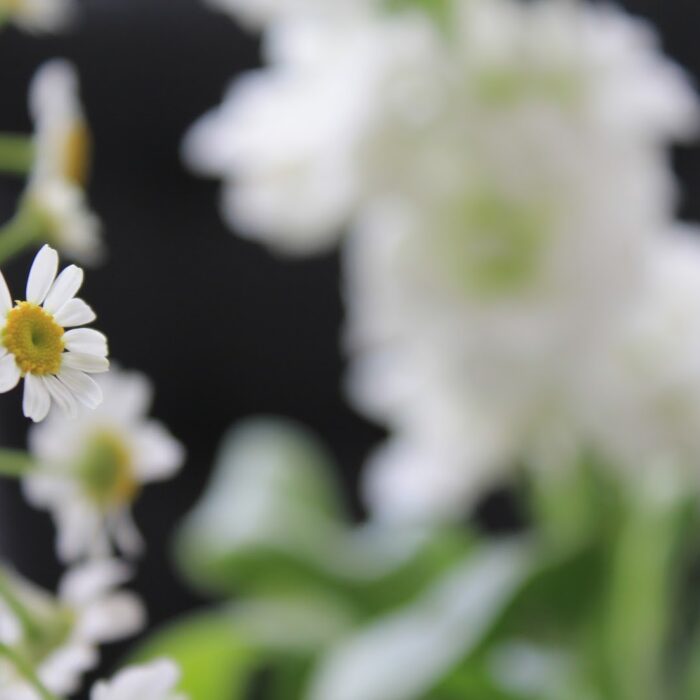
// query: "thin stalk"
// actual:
[[16, 150], [25, 229], [26, 671], [15, 463], [17, 607]]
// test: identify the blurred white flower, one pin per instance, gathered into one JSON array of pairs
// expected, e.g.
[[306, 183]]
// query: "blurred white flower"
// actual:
[[638, 395], [259, 14], [38, 15], [62, 160], [65, 631], [360, 105], [288, 140], [34, 344], [90, 471], [154, 681]]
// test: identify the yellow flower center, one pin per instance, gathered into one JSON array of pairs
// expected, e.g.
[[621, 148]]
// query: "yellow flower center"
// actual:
[[34, 338], [76, 154], [107, 471]]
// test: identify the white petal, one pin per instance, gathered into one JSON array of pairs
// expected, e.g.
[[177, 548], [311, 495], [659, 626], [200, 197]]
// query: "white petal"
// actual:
[[9, 373], [42, 274], [5, 298], [37, 400], [86, 340], [91, 580], [64, 288], [62, 395], [127, 535], [92, 364], [155, 681], [74, 313], [158, 454], [85, 388], [111, 618]]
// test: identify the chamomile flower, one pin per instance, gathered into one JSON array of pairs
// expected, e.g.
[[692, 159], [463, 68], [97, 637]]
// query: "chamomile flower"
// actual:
[[35, 345], [59, 635], [155, 681], [38, 16], [62, 162], [93, 469]]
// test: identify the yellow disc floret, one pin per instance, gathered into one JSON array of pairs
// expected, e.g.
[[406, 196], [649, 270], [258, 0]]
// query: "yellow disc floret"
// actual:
[[34, 338], [76, 154], [107, 471]]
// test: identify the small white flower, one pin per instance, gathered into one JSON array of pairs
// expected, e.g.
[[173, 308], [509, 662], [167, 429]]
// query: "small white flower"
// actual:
[[68, 629], [92, 470], [62, 159], [34, 343], [154, 681], [38, 15]]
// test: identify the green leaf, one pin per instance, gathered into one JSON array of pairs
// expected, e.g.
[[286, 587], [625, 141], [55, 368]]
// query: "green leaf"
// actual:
[[270, 513], [215, 659], [404, 655], [270, 523]]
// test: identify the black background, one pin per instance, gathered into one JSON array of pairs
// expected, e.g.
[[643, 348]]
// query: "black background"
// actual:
[[224, 328]]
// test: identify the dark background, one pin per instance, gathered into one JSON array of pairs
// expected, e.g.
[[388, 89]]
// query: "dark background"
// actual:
[[224, 328]]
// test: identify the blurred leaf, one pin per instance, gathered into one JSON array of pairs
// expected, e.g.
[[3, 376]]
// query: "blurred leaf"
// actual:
[[215, 660], [270, 523], [403, 655], [269, 511], [292, 625]]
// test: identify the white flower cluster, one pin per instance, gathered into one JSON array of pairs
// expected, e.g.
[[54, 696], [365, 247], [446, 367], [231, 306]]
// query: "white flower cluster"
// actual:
[[516, 283], [89, 461], [59, 636]]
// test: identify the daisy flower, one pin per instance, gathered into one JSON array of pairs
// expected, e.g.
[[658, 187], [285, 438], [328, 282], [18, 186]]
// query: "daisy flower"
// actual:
[[59, 635], [62, 162], [92, 470], [38, 15], [155, 681], [35, 345]]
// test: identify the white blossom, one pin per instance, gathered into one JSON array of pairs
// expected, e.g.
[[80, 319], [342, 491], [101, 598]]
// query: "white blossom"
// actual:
[[91, 470]]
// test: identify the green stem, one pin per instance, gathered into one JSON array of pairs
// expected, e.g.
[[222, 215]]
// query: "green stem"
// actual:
[[15, 463], [17, 607], [643, 575], [26, 228], [16, 150], [26, 671]]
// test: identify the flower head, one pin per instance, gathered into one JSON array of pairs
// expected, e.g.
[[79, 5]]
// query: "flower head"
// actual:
[[35, 345], [154, 681], [92, 470], [59, 635], [38, 15], [62, 162]]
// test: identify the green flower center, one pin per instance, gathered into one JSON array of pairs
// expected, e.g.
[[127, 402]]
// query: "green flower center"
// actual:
[[107, 472], [491, 246], [34, 338]]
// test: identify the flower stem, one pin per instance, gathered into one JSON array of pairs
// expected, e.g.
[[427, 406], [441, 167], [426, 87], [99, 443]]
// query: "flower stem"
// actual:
[[26, 671], [16, 150], [15, 463], [18, 608], [23, 230]]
